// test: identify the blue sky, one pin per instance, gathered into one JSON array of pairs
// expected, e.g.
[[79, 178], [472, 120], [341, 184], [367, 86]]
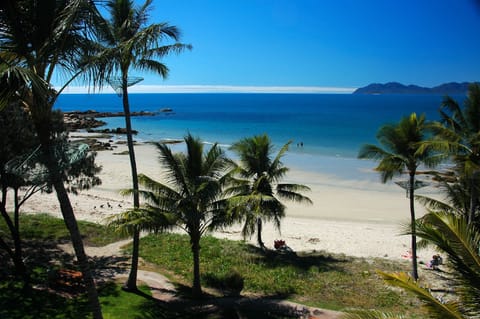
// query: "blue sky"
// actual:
[[321, 43]]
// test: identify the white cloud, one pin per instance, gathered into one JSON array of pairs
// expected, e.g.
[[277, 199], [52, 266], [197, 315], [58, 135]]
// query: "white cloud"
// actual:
[[218, 89]]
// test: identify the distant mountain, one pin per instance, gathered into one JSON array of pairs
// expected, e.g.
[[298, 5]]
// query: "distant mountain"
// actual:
[[398, 88]]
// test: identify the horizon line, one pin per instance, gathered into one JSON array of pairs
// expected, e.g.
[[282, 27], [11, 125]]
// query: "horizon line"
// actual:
[[214, 89]]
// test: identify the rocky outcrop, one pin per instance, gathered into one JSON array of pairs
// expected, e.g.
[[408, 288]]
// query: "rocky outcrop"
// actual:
[[118, 130], [76, 120]]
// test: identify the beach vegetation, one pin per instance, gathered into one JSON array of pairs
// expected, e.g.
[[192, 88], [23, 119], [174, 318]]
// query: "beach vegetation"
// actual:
[[23, 173], [401, 152], [37, 40], [127, 43], [258, 188], [17, 139], [457, 136], [459, 241], [45, 227], [47, 304], [314, 278], [191, 197]]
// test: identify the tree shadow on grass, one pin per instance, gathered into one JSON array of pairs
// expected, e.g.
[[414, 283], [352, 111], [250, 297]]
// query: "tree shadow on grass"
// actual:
[[184, 305], [15, 303], [303, 260], [105, 268]]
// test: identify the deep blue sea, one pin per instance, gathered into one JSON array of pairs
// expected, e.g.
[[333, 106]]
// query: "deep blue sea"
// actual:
[[332, 127]]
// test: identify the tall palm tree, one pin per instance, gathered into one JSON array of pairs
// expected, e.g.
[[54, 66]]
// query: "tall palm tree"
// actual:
[[258, 190], [458, 133], [130, 44], [36, 39], [191, 196], [400, 153]]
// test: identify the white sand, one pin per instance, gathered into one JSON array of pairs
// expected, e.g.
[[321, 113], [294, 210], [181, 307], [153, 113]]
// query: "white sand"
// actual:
[[356, 218]]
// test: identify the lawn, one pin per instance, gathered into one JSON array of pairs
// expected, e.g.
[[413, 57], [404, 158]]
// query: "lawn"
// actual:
[[317, 279], [45, 227]]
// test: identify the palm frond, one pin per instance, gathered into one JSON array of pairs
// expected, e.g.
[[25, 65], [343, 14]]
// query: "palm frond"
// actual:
[[292, 192], [152, 66], [460, 241], [434, 204], [437, 308], [373, 152], [141, 219], [276, 163], [174, 166]]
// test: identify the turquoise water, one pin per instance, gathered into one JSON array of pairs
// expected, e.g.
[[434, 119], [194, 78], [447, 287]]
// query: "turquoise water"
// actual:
[[331, 127]]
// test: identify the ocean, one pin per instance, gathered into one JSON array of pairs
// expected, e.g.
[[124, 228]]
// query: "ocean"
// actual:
[[326, 130]]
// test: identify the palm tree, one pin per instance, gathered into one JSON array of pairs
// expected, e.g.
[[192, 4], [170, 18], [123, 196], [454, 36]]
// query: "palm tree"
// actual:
[[37, 38], [191, 197], [129, 44], [259, 184], [402, 153], [460, 241], [458, 134]]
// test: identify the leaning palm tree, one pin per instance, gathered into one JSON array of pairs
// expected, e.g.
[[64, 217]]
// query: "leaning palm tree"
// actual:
[[402, 153], [458, 134], [258, 189], [130, 44], [36, 39], [191, 197]]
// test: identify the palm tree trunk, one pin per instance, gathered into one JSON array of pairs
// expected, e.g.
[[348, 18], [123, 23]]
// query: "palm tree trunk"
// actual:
[[259, 233], [197, 287], [42, 120], [413, 227], [72, 226], [77, 242], [131, 283]]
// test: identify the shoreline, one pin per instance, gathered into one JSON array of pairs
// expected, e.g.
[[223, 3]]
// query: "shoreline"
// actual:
[[359, 218]]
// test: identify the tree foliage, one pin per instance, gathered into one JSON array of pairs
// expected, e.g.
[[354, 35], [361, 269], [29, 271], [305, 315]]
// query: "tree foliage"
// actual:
[[37, 40], [401, 152], [258, 189], [127, 43], [190, 196]]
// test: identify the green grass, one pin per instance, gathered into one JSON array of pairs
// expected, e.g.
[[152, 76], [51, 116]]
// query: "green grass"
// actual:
[[15, 303], [46, 227], [44, 304], [315, 279], [119, 304]]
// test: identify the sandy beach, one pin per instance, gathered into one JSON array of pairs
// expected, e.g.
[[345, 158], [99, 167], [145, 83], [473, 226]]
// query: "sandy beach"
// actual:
[[351, 217]]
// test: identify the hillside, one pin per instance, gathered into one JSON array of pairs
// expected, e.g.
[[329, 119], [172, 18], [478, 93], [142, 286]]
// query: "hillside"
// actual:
[[398, 88]]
